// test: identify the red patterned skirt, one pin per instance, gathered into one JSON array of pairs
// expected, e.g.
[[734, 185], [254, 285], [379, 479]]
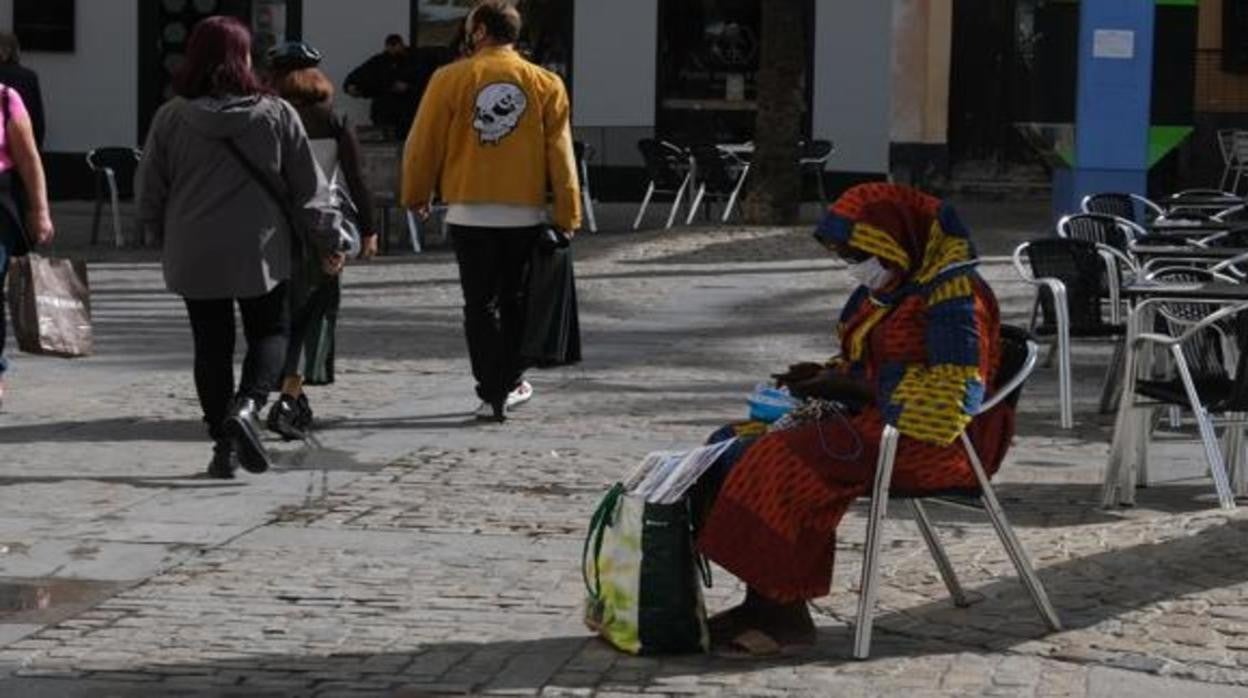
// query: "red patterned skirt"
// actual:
[[773, 523]]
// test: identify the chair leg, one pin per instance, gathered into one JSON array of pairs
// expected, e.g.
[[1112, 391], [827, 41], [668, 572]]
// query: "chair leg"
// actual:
[[1208, 435], [736, 193], [871, 553], [645, 203], [1065, 381], [413, 231], [1235, 456], [587, 199], [587, 202], [1112, 383], [823, 190], [938, 554], [119, 239], [1013, 547], [680, 198], [697, 201], [99, 210]]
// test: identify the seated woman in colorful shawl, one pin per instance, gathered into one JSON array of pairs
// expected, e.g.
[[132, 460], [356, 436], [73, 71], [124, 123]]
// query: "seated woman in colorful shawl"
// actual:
[[919, 344]]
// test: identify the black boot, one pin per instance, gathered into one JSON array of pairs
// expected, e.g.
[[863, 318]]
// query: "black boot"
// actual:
[[240, 429], [224, 462], [303, 413], [284, 420]]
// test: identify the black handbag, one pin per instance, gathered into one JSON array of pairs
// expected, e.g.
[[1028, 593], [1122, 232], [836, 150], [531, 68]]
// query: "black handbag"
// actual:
[[552, 330]]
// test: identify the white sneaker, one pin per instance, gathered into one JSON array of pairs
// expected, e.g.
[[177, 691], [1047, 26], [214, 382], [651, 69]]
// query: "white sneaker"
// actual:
[[522, 394]]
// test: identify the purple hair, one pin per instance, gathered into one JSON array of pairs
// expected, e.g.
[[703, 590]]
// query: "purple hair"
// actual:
[[217, 61]]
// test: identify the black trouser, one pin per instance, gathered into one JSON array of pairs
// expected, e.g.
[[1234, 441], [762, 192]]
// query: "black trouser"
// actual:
[[266, 324], [492, 265]]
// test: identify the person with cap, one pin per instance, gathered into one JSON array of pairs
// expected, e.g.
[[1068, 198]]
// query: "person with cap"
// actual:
[[316, 296]]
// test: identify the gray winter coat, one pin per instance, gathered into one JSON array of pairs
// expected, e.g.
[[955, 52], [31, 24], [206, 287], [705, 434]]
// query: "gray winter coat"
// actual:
[[224, 236]]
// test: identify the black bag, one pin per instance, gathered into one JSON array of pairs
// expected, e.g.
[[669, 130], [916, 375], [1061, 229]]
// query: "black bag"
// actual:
[[552, 330]]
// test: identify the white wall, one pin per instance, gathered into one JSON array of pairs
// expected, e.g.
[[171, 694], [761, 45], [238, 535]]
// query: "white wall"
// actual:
[[614, 63], [91, 95], [347, 34], [853, 82]]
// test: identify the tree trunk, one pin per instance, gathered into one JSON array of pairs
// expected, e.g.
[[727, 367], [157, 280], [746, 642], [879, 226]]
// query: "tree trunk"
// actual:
[[775, 184]]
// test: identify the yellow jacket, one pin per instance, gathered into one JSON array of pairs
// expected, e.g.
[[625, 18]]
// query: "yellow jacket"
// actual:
[[494, 129]]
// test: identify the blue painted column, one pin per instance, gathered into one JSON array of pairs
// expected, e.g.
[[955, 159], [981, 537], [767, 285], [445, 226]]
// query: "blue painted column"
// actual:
[[1114, 101]]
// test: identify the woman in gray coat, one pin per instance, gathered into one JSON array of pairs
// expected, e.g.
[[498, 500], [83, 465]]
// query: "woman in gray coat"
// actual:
[[230, 184]]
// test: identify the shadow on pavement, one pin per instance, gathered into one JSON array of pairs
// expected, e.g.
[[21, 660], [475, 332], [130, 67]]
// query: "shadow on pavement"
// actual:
[[120, 429], [1087, 591]]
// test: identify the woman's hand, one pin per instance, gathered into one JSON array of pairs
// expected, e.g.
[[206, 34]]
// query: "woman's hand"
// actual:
[[797, 373], [332, 264], [830, 384], [40, 224], [368, 246]]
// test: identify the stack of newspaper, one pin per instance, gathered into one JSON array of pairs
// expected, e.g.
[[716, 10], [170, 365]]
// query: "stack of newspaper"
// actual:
[[665, 476]]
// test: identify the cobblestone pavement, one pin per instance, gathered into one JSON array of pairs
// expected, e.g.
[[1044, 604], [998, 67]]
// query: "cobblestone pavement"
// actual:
[[417, 554]]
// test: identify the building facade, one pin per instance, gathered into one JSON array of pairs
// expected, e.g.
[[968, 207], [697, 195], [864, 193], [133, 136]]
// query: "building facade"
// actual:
[[678, 69]]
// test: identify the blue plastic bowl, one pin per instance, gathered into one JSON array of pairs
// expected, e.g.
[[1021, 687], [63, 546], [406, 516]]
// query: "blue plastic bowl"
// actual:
[[770, 404]]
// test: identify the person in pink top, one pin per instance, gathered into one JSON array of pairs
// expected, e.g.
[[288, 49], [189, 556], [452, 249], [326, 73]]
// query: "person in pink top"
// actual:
[[19, 158]]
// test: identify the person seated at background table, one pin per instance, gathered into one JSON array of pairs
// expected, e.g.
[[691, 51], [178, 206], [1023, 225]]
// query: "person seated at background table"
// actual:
[[919, 342]]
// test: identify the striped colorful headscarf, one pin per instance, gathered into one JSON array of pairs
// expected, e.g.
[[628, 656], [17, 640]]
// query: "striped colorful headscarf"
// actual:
[[913, 233]]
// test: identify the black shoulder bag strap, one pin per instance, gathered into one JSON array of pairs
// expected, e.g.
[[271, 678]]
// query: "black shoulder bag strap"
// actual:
[[283, 202]]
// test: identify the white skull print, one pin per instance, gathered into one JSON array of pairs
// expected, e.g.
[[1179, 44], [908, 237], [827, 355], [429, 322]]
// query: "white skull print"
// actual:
[[499, 108]]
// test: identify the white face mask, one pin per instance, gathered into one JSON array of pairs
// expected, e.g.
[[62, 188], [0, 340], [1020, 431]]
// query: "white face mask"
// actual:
[[870, 273]]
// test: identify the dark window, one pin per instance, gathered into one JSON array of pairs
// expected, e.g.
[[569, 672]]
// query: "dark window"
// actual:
[[44, 25], [709, 54], [546, 38]]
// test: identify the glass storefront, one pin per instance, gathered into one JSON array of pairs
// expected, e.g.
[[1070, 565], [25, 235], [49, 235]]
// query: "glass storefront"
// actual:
[[166, 25], [709, 53], [546, 38]]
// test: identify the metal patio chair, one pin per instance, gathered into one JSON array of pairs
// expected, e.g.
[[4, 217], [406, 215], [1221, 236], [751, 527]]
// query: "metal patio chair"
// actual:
[[813, 160], [1200, 203], [1239, 158], [1018, 359], [1073, 280], [1226, 148], [1131, 207], [670, 169], [584, 153], [1105, 229], [112, 166], [720, 175], [1202, 382]]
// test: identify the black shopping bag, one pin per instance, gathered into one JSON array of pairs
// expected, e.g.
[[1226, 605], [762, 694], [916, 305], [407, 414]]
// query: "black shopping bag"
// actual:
[[552, 330], [50, 303]]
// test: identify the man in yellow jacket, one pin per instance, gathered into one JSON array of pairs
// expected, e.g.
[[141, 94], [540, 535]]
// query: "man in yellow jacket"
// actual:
[[492, 137]]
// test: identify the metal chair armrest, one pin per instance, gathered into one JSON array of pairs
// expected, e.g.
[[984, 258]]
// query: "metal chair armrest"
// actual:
[[1192, 330], [1221, 217], [1029, 365]]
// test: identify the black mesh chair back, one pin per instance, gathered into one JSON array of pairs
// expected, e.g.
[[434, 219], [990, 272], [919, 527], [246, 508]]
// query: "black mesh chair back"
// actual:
[[666, 163], [1078, 265], [1096, 227], [717, 169], [124, 163], [1120, 205], [816, 151], [1014, 352], [1205, 352]]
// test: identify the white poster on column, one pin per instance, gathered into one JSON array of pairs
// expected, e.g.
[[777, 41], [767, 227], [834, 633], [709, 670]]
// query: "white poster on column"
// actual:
[[1113, 43]]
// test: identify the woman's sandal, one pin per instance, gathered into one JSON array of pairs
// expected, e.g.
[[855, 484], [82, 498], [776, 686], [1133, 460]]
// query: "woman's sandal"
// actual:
[[756, 644]]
